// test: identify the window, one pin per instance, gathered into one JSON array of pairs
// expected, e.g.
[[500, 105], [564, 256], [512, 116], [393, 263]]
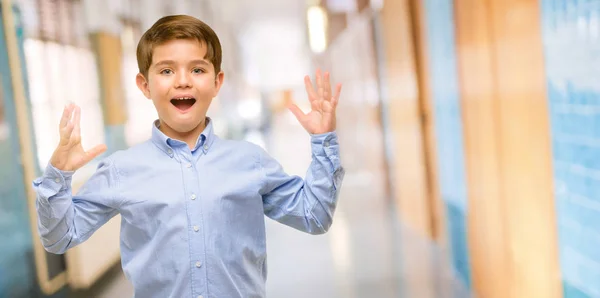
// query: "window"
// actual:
[[141, 112], [61, 69]]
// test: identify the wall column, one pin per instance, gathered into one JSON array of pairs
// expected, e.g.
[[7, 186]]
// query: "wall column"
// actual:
[[104, 29], [512, 226], [401, 77]]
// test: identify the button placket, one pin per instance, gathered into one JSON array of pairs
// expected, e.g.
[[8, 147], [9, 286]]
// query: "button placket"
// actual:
[[195, 228]]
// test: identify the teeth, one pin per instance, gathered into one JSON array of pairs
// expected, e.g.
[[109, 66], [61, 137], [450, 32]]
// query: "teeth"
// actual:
[[183, 98]]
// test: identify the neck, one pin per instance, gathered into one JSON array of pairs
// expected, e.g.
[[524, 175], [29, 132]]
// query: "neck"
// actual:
[[189, 137]]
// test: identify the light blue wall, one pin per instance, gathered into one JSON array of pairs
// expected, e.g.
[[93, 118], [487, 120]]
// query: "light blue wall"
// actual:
[[17, 274], [571, 35], [448, 128], [17, 268]]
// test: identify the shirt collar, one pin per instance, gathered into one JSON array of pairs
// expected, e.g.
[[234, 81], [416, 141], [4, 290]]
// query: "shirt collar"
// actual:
[[165, 143]]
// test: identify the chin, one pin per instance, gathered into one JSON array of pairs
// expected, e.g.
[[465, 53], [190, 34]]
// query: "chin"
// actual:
[[184, 126]]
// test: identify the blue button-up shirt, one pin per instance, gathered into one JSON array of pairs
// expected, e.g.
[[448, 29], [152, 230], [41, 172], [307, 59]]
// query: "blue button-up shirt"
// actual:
[[192, 220]]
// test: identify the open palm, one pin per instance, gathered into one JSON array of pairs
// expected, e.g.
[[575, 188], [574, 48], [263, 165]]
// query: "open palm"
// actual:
[[321, 118], [69, 155]]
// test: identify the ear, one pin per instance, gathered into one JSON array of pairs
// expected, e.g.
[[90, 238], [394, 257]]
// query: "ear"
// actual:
[[142, 84], [219, 82]]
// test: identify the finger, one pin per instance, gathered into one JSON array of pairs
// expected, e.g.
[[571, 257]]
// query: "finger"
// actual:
[[312, 95], [297, 112], [321, 93], [328, 112], [336, 97], [66, 115], [65, 133], [76, 136], [326, 87], [319, 79], [327, 107], [319, 84]]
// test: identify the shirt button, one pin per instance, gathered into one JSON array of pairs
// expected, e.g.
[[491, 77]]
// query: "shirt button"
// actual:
[[198, 264], [193, 197], [57, 180], [205, 147], [200, 296], [326, 144], [189, 165], [170, 151], [196, 229]]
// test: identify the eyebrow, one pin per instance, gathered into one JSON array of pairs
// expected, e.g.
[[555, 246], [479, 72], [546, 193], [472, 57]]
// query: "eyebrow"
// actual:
[[171, 62]]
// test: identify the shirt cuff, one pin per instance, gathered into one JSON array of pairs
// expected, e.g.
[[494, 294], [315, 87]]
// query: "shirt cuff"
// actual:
[[326, 144], [53, 181]]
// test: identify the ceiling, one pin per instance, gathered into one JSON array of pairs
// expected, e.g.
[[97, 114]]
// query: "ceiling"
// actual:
[[271, 38]]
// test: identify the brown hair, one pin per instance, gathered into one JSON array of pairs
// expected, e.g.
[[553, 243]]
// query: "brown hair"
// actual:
[[178, 27]]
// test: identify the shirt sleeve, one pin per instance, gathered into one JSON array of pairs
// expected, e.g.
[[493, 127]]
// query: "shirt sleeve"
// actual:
[[305, 204], [64, 220]]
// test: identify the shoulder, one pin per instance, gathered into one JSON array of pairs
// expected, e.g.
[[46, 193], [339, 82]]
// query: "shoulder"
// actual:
[[130, 156], [240, 152], [128, 153], [240, 147]]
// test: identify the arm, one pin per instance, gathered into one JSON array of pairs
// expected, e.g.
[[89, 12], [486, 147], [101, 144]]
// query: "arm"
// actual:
[[307, 205], [63, 220]]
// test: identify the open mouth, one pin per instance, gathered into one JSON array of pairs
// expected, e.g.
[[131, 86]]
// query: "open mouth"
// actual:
[[183, 103]]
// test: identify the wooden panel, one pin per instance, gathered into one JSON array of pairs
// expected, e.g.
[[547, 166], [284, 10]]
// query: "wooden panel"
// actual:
[[336, 24], [410, 183], [108, 53], [487, 240], [437, 214], [512, 234], [526, 170]]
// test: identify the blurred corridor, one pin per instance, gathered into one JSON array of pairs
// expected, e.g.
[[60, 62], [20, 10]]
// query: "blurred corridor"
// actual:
[[468, 130]]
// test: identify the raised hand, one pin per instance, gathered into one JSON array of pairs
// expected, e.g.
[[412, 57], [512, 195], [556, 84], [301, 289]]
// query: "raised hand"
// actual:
[[321, 118], [69, 155]]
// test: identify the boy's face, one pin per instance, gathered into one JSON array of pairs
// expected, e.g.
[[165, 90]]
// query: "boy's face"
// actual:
[[181, 84]]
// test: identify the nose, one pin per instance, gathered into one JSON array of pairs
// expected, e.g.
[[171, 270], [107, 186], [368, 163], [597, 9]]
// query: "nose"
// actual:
[[183, 80]]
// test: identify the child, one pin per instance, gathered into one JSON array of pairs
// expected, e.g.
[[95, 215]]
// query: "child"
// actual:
[[191, 204]]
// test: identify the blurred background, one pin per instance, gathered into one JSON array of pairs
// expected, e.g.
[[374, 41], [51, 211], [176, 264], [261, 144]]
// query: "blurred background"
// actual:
[[469, 130]]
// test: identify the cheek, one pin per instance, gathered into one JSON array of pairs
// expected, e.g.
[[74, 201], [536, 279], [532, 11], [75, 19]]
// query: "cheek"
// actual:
[[159, 87], [206, 84]]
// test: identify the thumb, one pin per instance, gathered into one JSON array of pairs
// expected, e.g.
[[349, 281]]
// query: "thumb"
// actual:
[[297, 112], [94, 152], [91, 154]]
